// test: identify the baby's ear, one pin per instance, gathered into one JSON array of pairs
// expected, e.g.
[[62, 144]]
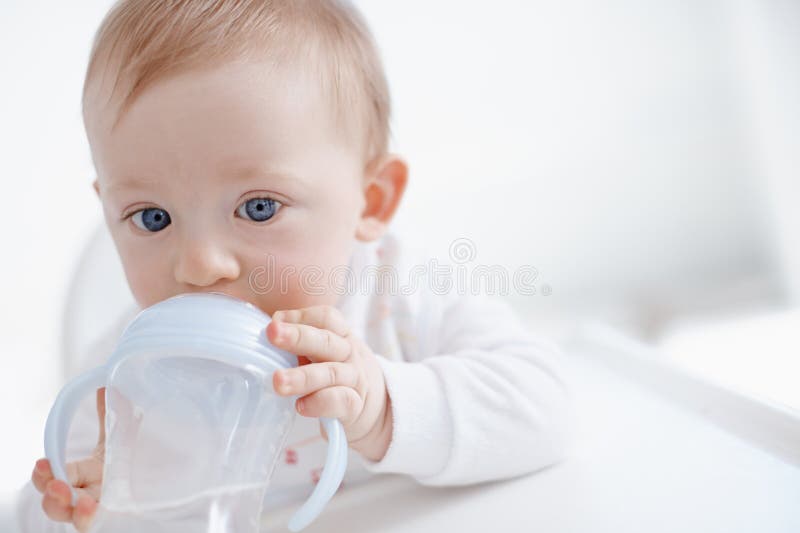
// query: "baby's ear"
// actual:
[[386, 182]]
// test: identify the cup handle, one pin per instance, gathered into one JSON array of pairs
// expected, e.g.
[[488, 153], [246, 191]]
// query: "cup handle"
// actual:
[[329, 481], [60, 418]]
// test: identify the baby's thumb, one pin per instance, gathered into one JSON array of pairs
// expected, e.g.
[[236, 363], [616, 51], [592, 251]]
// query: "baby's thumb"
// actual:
[[101, 415]]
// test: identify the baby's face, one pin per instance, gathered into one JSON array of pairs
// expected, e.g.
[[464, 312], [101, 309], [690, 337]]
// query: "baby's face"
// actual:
[[232, 179]]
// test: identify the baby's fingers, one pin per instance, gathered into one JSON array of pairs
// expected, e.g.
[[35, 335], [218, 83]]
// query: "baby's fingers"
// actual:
[[57, 501], [57, 504], [41, 474], [81, 473], [84, 512]]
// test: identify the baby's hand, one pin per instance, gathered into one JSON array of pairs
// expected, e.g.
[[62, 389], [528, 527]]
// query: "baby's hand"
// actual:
[[343, 380], [85, 475]]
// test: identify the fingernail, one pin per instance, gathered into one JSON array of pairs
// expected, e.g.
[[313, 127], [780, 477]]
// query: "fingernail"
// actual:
[[284, 381], [282, 333], [301, 405]]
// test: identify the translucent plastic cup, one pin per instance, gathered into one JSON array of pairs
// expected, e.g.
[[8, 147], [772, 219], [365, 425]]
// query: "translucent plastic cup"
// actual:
[[193, 426]]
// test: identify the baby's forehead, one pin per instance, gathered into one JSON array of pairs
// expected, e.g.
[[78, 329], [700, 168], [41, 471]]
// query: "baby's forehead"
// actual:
[[142, 43], [219, 87], [236, 111]]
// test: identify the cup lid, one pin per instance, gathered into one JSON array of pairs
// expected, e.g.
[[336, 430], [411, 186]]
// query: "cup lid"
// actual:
[[197, 320]]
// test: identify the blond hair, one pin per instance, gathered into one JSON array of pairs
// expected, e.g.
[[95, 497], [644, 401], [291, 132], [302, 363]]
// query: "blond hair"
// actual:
[[142, 41]]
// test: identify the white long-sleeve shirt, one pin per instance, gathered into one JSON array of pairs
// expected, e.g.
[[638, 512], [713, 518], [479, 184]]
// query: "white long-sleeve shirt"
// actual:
[[475, 395]]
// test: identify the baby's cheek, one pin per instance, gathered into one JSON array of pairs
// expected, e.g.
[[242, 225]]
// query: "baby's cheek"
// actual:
[[148, 280], [284, 285]]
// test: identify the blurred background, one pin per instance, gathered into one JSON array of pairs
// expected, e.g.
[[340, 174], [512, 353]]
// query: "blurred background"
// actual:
[[642, 156]]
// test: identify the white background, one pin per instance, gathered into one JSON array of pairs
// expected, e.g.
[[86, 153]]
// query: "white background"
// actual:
[[642, 156]]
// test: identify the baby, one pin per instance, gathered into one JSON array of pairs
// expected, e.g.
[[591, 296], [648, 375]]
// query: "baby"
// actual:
[[240, 140]]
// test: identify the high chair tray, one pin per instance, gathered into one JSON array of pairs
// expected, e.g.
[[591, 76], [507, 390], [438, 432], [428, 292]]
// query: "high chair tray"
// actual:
[[656, 450]]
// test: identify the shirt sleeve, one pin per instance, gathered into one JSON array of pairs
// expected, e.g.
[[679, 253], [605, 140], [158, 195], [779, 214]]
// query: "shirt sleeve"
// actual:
[[487, 402], [81, 440]]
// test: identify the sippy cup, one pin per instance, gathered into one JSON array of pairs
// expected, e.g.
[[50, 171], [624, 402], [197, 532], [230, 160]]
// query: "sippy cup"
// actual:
[[193, 426]]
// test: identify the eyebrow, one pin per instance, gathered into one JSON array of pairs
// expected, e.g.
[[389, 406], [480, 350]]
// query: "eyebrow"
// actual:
[[138, 182], [253, 172]]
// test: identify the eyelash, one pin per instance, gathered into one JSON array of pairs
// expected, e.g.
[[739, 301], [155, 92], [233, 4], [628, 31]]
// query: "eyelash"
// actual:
[[282, 204], [128, 215]]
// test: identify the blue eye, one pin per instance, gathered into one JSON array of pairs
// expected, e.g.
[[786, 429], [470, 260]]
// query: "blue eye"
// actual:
[[151, 219], [258, 209]]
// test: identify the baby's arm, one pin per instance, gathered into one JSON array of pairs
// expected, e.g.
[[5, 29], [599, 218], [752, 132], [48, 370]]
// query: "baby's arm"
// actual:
[[489, 404]]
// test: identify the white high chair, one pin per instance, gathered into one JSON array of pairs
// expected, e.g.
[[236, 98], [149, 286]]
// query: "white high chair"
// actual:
[[97, 299]]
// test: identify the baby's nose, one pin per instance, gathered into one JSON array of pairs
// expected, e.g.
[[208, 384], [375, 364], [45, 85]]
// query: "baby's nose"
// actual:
[[204, 262]]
